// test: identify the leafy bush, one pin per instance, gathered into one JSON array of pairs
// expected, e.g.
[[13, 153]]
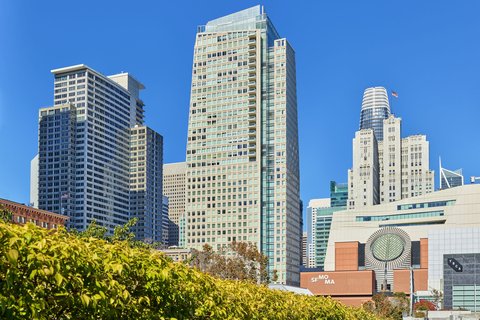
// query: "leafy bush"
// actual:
[[59, 275], [388, 307], [423, 305]]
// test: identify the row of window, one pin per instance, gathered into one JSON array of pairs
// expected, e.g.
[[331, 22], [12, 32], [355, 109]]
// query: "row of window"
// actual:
[[401, 216], [426, 205]]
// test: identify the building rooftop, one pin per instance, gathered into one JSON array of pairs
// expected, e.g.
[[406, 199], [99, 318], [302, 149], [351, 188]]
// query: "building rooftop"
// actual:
[[319, 203], [84, 66], [21, 205], [296, 290]]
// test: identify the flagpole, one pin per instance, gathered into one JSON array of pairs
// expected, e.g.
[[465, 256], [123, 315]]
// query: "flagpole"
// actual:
[[393, 94], [391, 102]]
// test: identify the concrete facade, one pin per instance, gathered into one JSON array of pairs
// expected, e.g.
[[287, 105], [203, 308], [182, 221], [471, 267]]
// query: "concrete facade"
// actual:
[[364, 177], [174, 189], [314, 209], [242, 179], [455, 240], [85, 150], [146, 165], [422, 234], [388, 170], [451, 208], [34, 182], [165, 221]]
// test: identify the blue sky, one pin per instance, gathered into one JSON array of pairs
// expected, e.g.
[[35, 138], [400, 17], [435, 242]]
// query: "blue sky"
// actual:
[[427, 51]]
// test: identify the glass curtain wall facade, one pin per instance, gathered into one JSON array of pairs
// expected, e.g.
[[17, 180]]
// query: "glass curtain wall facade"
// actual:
[[375, 108], [338, 194], [319, 219], [450, 178], [242, 177]]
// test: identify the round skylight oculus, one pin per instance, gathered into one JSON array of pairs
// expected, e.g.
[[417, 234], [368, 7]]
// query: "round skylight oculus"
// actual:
[[388, 247]]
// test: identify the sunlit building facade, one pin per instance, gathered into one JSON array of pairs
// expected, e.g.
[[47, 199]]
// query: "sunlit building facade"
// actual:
[[375, 108], [450, 178], [174, 189], [242, 177], [93, 153], [146, 163], [389, 170]]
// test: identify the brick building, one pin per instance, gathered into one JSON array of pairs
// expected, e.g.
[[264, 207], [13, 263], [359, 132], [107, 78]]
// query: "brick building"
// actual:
[[42, 218]]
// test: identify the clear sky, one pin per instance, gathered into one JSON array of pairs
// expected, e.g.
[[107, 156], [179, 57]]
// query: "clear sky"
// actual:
[[427, 51]]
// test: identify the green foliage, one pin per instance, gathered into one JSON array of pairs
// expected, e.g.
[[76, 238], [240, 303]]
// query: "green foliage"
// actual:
[[388, 307], [419, 314], [121, 233], [48, 274], [93, 230], [5, 214]]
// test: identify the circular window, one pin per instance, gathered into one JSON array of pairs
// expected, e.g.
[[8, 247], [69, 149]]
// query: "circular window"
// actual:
[[387, 247]]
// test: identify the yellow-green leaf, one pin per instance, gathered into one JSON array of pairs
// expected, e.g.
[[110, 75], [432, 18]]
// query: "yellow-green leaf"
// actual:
[[12, 255], [59, 278], [85, 299]]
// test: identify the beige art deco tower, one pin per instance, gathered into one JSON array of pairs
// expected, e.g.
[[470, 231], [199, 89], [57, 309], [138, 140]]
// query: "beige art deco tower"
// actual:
[[388, 169], [242, 178]]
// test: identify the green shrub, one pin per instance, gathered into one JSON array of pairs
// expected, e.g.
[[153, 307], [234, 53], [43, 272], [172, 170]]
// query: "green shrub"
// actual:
[[59, 275]]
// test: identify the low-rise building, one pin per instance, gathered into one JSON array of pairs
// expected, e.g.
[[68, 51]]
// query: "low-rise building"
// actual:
[[178, 254], [430, 241], [22, 214]]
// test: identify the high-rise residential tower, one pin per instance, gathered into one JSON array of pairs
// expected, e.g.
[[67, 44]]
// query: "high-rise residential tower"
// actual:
[[85, 154], [315, 219], [174, 189], [146, 165], [165, 221], [242, 180], [304, 249], [375, 108]]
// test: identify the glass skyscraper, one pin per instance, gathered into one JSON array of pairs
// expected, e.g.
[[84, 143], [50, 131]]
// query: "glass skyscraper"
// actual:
[[242, 178], [319, 219], [338, 194], [450, 178], [375, 109]]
